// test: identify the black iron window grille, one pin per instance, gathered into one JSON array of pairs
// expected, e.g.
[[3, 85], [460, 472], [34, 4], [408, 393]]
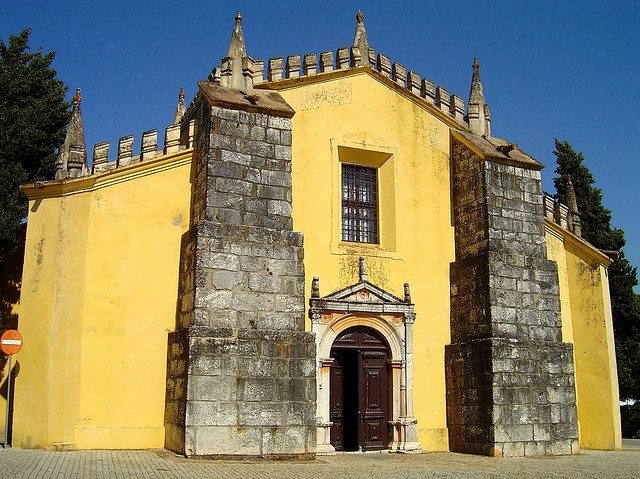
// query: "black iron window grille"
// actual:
[[359, 204]]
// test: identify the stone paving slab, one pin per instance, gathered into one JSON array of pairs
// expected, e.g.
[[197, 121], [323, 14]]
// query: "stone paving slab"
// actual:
[[155, 464]]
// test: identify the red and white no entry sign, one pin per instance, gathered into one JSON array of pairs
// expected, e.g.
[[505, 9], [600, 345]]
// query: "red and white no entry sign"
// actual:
[[11, 342]]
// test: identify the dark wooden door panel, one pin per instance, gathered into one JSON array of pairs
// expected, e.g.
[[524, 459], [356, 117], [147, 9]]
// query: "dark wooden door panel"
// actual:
[[336, 406], [347, 339], [374, 431], [359, 391], [371, 340], [374, 400]]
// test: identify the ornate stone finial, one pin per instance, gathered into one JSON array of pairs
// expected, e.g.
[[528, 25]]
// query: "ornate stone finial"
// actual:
[[479, 120], [236, 46], [232, 76], [572, 202], [360, 41], [315, 287], [72, 157], [180, 109], [407, 293], [476, 94], [573, 218], [362, 272]]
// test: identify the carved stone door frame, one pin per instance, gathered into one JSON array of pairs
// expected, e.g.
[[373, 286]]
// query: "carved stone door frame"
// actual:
[[365, 304]]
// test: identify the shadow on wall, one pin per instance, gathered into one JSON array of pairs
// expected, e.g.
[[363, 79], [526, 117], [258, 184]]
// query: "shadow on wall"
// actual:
[[10, 282], [15, 370]]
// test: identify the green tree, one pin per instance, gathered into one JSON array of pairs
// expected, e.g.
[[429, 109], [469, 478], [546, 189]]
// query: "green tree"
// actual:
[[596, 229], [594, 217], [33, 117]]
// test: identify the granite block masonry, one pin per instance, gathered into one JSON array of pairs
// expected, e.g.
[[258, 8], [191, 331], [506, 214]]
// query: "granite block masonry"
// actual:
[[510, 378], [241, 369]]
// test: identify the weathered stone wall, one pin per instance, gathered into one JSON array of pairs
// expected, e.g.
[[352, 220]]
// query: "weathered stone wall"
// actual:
[[176, 393], [510, 383], [250, 372]]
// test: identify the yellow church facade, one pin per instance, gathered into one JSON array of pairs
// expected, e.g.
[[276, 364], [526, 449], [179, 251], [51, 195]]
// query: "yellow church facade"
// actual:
[[368, 163]]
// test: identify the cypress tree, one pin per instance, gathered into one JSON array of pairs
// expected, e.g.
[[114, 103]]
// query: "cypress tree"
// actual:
[[33, 118], [596, 229]]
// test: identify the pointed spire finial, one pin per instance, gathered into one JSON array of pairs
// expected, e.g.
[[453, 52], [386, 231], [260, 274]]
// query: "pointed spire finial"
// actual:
[[236, 46], [232, 73], [476, 94], [360, 40], [570, 195], [181, 108], [477, 110], [573, 218], [362, 272], [72, 156]]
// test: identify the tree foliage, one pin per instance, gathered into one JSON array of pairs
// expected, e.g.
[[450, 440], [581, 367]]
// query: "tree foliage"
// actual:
[[33, 117], [594, 217], [596, 229]]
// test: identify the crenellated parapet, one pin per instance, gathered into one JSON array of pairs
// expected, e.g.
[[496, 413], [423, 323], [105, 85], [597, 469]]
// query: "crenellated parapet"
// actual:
[[360, 54], [298, 66], [72, 157], [149, 149]]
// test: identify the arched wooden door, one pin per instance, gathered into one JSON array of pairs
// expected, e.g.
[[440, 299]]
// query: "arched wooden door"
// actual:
[[360, 396]]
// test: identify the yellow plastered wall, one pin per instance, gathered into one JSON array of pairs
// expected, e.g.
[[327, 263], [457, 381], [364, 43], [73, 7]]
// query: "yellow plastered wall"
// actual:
[[98, 299], [587, 323], [358, 119]]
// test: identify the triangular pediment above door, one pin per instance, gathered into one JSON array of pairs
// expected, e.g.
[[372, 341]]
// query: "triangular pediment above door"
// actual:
[[364, 292], [362, 296]]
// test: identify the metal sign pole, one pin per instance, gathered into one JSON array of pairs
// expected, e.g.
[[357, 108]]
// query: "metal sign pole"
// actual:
[[6, 421]]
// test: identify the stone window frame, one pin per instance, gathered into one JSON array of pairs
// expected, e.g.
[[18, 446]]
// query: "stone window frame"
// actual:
[[383, 159]]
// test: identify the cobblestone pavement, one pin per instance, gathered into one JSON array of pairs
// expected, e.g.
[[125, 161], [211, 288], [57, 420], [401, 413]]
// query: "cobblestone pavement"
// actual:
[[17, 464]]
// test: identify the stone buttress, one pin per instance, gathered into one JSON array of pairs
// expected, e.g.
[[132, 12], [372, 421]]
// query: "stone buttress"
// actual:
[[241, 368], [510, 378]]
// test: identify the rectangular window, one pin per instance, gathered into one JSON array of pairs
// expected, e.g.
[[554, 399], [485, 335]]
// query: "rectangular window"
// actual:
[[359, 204]]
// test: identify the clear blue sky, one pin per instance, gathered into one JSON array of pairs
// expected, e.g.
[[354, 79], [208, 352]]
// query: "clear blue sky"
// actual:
[[569, 70]]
